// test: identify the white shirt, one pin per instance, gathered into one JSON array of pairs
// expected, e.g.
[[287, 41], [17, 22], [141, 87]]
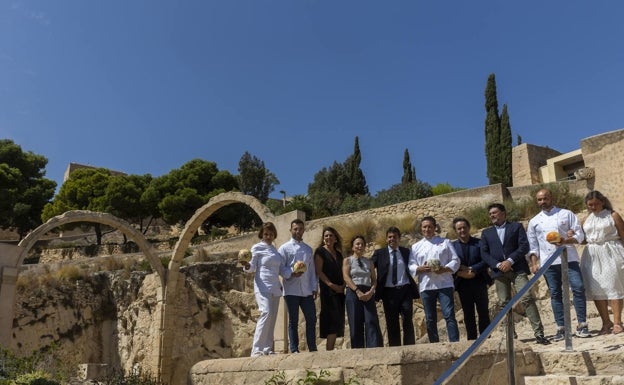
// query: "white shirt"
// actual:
[[434, 248], [556, 219], [401, 278], [293, 251], [268, 265]]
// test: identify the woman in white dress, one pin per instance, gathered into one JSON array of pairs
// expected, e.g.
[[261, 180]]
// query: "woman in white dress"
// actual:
[[602, 263]]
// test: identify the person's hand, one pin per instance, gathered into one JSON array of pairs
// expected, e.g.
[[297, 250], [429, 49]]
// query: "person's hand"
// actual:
[[336, 288], [505, 266], [466, 274], [423, 268], [534, 267], [296, 275]]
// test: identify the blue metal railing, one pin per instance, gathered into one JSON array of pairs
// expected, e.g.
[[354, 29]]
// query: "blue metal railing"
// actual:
[[508, 312]]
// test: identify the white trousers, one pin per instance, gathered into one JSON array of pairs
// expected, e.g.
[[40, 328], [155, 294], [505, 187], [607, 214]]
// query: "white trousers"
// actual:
[[265, 327]]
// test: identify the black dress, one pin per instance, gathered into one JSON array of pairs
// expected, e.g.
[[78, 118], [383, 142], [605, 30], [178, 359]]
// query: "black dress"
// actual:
[[332, 317]]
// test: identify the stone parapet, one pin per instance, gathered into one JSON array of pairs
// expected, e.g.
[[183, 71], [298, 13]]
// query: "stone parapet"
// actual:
[[421, 363]]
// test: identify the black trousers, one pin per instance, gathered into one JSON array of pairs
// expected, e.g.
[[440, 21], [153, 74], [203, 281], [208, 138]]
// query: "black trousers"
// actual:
[[473, 293], [398, 303]]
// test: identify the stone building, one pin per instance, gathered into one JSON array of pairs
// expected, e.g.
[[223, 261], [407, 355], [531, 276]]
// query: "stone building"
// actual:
[[599, 162]]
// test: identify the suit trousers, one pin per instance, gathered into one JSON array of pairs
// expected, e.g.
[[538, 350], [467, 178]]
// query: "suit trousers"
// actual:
[[518, 280], [398, 302], [473, 293]]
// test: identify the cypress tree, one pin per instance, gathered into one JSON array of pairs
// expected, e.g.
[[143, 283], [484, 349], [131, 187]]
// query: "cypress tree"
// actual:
[[409, 172], [492, 131], [356, 181], [505, 148]]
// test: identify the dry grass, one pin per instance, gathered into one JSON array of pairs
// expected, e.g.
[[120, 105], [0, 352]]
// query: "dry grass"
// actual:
[[405, 223]]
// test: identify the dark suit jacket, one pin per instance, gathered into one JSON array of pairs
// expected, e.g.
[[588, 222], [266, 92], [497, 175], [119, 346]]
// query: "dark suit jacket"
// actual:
[[515, 246], [381, 259], [473, 260]]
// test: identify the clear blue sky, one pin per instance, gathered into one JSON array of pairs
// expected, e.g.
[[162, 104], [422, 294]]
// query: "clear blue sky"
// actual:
[[144, 86]]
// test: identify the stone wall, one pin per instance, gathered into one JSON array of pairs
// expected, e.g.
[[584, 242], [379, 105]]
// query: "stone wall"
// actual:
[[526, 161], [605, 154], [416, 364]]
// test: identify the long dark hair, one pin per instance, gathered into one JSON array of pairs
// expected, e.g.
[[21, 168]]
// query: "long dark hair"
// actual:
[[338, 245], [598, 195]]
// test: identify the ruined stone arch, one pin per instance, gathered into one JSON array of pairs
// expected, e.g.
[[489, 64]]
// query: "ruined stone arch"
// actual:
[[90, 216], [205, 212], [175, 279]]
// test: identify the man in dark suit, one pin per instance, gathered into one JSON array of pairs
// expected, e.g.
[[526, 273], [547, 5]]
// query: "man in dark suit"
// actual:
[[396, 288], [472, 279], [504, 247]]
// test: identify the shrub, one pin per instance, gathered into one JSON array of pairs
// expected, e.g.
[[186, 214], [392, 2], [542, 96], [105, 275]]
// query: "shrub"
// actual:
[[69, 273], [138, 377], [37, 377]]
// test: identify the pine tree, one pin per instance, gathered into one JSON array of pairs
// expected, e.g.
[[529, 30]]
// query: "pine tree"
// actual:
[[409, 172], [505, 148]]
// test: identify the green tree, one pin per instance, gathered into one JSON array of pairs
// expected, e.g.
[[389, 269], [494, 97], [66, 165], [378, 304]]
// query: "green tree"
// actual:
[[24, 190], [123, 197], [402, 192], [254, 178], [340, 182], [506, 175], [84, 190], [356, 182], [409, 171], [492, 130], [444, 188], [497, 138], [176, 196], [325, 191]]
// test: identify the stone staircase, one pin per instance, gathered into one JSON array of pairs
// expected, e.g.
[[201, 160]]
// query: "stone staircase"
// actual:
[[596, 367]]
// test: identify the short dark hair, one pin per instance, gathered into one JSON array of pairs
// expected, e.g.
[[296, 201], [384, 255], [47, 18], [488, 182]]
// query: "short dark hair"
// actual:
[[499, 206], [296, 221], [393, 230], [460, 219], [267, 226]]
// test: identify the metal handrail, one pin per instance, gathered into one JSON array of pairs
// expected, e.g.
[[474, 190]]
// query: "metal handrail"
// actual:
[[508, 312]]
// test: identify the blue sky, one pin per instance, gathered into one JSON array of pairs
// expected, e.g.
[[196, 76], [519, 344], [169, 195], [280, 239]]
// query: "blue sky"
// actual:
[[144, 86]]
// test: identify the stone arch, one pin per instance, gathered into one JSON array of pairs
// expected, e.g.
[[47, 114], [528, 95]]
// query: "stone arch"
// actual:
[[90, 216], [204, 212], [175, 278]]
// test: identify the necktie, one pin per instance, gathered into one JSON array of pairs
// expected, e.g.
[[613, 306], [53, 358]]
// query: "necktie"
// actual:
[[394, 267]]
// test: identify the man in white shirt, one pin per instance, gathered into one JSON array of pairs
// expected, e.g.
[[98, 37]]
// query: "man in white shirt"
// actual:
[[300, 289], [563, 221]]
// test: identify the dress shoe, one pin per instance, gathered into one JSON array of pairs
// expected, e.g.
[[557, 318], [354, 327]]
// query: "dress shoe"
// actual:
[[542, 340]]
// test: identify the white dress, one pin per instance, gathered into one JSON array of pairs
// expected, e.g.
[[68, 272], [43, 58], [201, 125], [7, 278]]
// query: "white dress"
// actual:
[[602, 263]]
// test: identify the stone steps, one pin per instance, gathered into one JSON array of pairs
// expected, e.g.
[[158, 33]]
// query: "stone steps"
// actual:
[[579, 368], [559, 379]]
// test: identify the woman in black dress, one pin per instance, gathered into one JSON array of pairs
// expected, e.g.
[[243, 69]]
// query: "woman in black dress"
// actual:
[[328, 263]]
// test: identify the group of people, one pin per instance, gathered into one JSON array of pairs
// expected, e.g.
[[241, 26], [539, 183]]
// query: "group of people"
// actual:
[[432, 270]]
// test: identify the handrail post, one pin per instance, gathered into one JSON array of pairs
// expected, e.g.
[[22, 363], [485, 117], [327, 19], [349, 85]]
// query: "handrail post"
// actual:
[[565, 288], [511, 364]]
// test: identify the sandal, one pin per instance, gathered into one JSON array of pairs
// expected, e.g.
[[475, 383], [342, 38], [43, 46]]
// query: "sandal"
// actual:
[[606, 329], [617, 329]]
